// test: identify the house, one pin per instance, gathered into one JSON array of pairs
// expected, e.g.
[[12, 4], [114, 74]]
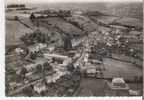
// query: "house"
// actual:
[[117, 87], [65, 60], [42, 45], [46, 55], [134, 92], [94, 70], [90, 72], [54, 77], [86, 58], [12, 85], [30, 67], [33, 48], [119, 27], [51, 48], [40, 87], [94, 61], [36, 47], [19, 50], [76, 12]]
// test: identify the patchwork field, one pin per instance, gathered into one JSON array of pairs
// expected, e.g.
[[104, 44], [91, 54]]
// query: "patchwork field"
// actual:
[[63, 25], [14, 30], [105, 19], [83, 22], [116, 68], [130, 21]]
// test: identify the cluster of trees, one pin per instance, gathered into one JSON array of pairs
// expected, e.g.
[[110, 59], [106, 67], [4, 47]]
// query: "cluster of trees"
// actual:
[[64, 13], [39, 68], [33, 56], [94, 13], [35, 37], [16, 6], [70, 67], [52, 13], [45, 67], [32, 16]]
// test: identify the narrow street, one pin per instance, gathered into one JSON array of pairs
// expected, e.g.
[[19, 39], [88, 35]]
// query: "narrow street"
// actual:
[[89, 86]]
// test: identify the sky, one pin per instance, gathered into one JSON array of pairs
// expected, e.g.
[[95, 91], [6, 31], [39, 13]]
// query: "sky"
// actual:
[[54, 1]]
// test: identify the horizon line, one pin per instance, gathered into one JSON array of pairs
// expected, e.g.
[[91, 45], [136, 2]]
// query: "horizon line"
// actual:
[[70, 1]]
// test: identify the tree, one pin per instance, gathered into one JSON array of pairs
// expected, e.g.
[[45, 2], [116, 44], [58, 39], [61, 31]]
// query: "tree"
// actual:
[[47, 66], [16, 18], [39, 68], [67, 43], [27, 39], [33, 56], [23, 72], [32, 16], [70, 68], [7, 88], [28, 91]]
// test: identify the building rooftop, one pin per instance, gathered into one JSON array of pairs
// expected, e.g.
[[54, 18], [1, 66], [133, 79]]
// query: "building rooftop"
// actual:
[[118, 84], [55, 56], [118, 80]]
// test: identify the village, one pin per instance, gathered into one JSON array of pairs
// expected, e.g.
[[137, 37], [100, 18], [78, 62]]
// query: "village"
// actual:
[[74, 53]]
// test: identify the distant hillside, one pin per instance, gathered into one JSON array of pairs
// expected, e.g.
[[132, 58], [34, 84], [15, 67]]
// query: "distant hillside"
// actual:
[[93, 13], [134, 10], [16, 6]]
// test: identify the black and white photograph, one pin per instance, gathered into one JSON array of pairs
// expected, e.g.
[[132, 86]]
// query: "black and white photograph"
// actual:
[[73, 48]]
